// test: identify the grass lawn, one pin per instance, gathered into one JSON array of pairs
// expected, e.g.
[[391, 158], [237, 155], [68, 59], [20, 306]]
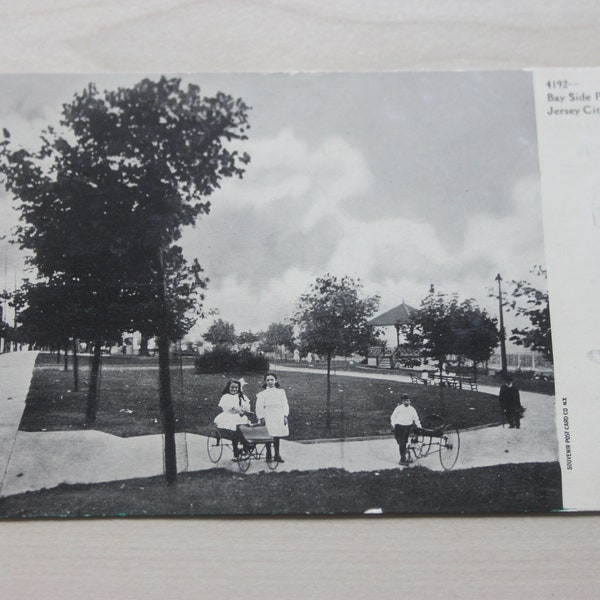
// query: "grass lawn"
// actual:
[[532, 487], [129, 401]]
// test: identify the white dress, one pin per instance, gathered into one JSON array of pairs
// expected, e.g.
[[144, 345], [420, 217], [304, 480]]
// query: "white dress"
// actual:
[[272, 406], [228, 419]]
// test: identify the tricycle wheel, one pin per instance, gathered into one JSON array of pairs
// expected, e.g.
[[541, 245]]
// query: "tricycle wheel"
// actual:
[[243, 460], [214, 445], [449, 447], [272, 463]]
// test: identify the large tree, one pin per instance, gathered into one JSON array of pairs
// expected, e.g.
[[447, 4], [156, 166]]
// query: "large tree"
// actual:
[[476, 333], [530, 300], [221, 334], [444, 326], [430, 329], [332, 319], [106, 195]]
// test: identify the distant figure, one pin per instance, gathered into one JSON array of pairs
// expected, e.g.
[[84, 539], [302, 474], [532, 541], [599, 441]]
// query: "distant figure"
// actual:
[[510, 403], [425, 377], [404, 419], [235, 407], [296, 356], [272, 409]]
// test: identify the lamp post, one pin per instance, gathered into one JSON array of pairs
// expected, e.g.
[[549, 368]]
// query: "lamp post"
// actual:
[[502, 332]]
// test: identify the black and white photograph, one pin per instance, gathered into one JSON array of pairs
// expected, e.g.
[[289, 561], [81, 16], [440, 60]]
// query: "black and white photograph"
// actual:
[[274, 294]]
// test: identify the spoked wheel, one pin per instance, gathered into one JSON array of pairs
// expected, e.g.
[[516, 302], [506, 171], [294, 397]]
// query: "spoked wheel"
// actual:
[[272, 463], [449, 447], [243, 460], [214, 445]]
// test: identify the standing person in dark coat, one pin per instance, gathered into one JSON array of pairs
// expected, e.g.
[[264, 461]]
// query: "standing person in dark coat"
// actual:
[[510, 401]]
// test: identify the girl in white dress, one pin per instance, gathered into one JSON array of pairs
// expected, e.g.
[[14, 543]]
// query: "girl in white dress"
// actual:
[[235, 407], [272, 409]]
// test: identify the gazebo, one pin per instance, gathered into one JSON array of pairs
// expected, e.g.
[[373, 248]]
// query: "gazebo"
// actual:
[[394, 317]]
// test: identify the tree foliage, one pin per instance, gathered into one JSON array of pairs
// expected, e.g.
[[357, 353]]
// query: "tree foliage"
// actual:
[[444, 326], [276, 335], [106, 195], [247, 338], [477, 334], [531, 302], [44, 314], [332, 319], [221, 334]]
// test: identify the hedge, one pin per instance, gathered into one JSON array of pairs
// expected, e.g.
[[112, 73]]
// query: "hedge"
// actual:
[[223, 360]]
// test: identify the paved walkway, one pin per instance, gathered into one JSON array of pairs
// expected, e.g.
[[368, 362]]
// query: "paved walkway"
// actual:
[[36, 460], [391, 376], [15, 377]]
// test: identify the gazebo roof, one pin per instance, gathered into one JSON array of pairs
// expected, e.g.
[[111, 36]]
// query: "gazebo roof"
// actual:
[[394, 316]]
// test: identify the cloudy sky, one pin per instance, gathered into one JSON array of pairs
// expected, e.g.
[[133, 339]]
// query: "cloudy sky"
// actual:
[[401, 180]]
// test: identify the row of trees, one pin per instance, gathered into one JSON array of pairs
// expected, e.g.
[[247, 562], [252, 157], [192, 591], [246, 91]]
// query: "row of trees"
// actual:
[[444, 326], [103, 201], [222, 334]]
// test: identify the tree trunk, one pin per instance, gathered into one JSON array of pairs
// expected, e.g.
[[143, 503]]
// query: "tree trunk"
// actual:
[[66, 367], [167, 413], [165, 402], [75, 367], [143, 351], [328, 413], [474, 371], [92, 397]]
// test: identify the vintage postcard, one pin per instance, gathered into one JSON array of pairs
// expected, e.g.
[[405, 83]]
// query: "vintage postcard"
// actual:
[[285, 294]]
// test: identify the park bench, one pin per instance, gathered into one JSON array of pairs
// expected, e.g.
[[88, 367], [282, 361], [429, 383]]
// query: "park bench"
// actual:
[[456, 382], [415, 378], [418, 378]]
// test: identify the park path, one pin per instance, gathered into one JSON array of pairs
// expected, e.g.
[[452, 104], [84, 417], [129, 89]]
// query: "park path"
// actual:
[[15, 377], [368, 375], [36, 460]]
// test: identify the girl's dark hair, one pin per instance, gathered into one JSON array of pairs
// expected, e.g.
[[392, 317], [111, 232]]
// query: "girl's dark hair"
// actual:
[[265, 380], [228, 384]]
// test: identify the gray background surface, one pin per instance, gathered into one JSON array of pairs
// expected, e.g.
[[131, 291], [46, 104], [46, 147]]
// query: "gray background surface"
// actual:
[[436, 557]]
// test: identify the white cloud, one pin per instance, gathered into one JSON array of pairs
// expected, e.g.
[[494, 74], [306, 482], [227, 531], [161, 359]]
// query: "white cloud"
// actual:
[[254, 308], [513, 243], [285, 169], [387, 248]]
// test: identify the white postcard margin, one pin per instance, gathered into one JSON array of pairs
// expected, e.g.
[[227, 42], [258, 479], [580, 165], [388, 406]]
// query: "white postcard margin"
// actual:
[[567, 103]]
